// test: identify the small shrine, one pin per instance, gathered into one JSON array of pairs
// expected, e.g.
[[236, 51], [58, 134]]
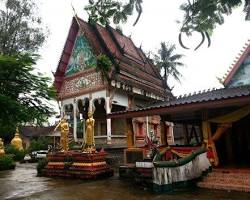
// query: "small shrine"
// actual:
[[17, 141], [2, 152], [85, 164]]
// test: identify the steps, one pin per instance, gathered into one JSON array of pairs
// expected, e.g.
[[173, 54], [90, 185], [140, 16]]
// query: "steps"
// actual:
[[227, 179]]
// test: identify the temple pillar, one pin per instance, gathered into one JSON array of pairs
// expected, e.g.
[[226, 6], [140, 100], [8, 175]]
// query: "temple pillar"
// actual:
[[170, 133], [163, 132], [74, 122], [130, 133], [108, 110]]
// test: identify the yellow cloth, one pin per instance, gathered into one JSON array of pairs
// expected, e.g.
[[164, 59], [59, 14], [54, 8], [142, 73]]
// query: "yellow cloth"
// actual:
[[225, 122], [220, 130], [233, 116]]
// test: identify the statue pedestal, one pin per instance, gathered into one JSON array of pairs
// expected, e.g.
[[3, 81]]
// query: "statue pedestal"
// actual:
[[81, 165]]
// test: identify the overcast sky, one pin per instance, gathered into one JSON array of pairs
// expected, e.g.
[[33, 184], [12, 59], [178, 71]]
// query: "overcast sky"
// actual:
[[157, 23]]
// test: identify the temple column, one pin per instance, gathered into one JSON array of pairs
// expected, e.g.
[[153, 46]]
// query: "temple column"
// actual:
[[74, 122], [130, 133], [163, 132], [170, 133], [108, 110]]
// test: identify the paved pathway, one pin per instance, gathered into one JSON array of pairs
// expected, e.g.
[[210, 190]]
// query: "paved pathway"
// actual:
[[23, 184]]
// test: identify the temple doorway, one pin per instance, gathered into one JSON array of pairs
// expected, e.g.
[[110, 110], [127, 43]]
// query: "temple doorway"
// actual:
[[100, 117], [233, 148]]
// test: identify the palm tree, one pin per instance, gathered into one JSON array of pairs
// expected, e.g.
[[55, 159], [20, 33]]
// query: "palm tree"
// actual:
[[168, 61]]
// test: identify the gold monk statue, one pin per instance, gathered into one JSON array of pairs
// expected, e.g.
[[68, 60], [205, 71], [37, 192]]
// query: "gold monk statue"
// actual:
[[89, 144], [2, 152], [64, 129]]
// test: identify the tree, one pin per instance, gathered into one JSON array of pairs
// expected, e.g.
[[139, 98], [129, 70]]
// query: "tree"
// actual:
[[168, 61], [199, 15], [103, 11], [203, 15], [24, 95], [20, 27]]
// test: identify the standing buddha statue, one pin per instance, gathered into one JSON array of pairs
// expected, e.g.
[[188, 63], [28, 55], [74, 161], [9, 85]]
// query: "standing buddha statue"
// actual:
[[64, 129], [89, 144]]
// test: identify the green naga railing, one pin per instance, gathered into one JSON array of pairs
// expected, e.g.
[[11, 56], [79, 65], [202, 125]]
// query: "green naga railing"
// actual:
[[175, 163]]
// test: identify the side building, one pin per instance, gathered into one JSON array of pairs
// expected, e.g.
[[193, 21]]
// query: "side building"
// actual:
[[134, 82]]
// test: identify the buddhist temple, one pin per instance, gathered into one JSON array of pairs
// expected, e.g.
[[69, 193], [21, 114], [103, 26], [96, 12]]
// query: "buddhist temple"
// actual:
[[133, 82], [218, 119]]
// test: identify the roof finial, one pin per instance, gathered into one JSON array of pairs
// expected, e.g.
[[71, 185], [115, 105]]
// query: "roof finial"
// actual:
[[141, 46], [77, 20]]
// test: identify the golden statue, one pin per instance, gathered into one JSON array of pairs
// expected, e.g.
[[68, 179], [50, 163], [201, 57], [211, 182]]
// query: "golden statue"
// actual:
[[64, 129], [89, 143], [2, 152], [17, 141]]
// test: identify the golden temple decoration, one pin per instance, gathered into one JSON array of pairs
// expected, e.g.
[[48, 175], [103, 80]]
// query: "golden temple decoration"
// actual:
[[17, 141], [2, 152], [89, 141], [64, 129]]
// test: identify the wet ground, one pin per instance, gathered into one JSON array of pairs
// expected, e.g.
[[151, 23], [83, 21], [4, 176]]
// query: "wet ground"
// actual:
[[23, 183]]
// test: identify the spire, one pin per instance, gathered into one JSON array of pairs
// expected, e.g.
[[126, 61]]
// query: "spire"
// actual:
[[77, 19]]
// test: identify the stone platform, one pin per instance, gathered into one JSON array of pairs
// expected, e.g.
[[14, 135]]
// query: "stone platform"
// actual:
[[81, 165], [227, 179]]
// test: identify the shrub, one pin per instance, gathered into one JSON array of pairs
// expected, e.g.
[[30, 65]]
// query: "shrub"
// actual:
[[39, 144], [42, 163], [68, 161], [18, 155], [7, 162]]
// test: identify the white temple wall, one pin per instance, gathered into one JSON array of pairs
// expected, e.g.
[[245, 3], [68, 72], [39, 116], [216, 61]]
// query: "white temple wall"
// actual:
[[120, 98]]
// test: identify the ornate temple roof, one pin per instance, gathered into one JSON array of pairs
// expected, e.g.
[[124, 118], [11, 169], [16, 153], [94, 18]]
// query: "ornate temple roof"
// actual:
[[135, 69], [244, 53]]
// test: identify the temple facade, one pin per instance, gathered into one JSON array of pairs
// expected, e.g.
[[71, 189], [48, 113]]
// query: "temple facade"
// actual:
[[218, 119], [132, 82]]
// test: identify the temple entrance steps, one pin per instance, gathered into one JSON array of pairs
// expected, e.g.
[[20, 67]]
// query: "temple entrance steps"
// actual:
[[227, 179]]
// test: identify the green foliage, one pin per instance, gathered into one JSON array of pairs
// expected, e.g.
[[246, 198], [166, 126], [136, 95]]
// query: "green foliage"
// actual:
[[42, 163], [24, 95], [39, 144], [67, 165], [20, 27], [104, 65], [203, 15], [168, 61], [7, 162], [18, 155], [103, 11], [200, 15], [68, 161]]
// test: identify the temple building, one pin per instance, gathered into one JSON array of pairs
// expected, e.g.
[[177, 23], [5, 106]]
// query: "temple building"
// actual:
[[218, 117], [132, 82]]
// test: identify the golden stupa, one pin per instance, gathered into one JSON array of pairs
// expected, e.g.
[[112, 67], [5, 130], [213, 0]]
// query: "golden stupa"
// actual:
[[2, 152], [17, 141]]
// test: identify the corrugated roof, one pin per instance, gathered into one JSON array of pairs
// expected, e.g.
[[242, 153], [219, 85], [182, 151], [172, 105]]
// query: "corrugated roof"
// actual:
[[201, 96]]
